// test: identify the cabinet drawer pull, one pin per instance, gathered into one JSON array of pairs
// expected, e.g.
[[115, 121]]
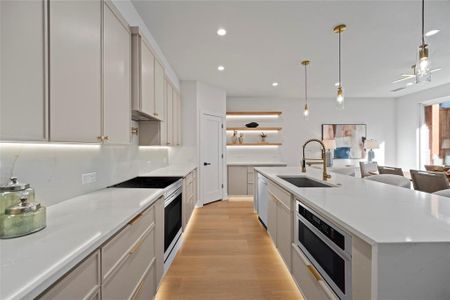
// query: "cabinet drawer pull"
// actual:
[[314, 272], [139, 290], [106, 138], [100, 138], [137, 246], [135, 220]]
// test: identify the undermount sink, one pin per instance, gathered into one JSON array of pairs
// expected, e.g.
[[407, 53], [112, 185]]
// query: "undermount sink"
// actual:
[[305, 182]]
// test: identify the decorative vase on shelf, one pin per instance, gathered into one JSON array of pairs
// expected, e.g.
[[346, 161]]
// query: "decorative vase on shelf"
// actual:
[[234, 138], [252, 125], [241, 138], [263, 138]]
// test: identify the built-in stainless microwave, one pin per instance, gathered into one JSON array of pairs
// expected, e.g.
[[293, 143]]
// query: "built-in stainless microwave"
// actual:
[[327, 247]]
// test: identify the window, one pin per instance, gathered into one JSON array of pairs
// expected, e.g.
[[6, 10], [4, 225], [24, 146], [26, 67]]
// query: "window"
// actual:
[[437, 121]]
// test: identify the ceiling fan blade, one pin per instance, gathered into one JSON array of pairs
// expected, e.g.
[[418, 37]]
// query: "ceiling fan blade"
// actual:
[[407, 75], [399, 89], [402, 79], [435, 70]]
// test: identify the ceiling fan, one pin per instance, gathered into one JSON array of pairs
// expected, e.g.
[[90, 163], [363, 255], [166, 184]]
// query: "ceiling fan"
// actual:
[[408, 78]]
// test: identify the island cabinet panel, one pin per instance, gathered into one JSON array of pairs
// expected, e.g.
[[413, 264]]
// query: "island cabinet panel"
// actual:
[[83, 282], [237, 180], [75, 71], [280, 220], [116, 77], [284, 233], [308, 279], [23, 72], [272, 217]]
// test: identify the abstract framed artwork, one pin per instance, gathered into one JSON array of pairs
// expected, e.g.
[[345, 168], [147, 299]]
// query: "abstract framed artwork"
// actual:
[[349, 139]]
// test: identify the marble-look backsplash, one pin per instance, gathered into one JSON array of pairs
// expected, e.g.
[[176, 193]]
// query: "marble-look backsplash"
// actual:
[[54, 170]]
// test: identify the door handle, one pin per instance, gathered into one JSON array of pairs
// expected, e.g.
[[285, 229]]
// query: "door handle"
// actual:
[[206, 164]]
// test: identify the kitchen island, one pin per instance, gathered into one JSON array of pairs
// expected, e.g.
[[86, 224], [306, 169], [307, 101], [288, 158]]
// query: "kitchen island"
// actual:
[[400, 238]]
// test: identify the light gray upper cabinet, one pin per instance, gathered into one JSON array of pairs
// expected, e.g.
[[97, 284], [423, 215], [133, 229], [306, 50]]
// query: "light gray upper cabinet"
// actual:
[[23, 53], [159, 91], [143, 77], [170, 115], [75, 71], [116, 78]]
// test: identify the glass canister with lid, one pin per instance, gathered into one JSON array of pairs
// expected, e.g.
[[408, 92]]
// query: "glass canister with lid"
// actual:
[[20, 214]]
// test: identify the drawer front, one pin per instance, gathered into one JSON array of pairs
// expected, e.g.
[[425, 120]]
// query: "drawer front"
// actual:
[[83, 282], [250, 174], [280, 194], [122, 282], [146, 289], [250, 189], [309, 281], [118, 247]]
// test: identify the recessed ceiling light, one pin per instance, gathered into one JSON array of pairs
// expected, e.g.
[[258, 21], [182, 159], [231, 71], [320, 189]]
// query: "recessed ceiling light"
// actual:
[[221, 32], [221, 68], [274, 83], [432, 32]]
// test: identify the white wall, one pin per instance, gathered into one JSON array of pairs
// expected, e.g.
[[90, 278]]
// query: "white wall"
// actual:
[[408, 118], [378, 114], [197, 97]]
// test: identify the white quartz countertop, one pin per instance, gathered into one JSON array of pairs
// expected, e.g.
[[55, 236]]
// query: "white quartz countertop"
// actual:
[[373, 211], [255, 163], [172, 170], [75, 228]]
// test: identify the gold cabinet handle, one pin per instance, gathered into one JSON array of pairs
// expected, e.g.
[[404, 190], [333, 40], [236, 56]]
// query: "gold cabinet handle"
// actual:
[[137, 246], [156, 114], [139, 290], [100, 138], [314, 272], [135, 219], [106, 138], [135, 130]]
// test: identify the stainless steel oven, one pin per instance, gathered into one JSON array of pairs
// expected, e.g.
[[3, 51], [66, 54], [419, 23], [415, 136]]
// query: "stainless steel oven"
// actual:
[[327, 247], [172, 217]]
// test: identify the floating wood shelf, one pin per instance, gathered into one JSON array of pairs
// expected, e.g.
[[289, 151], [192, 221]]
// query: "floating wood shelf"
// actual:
[[253, 129], [256, 113], [256, 144]]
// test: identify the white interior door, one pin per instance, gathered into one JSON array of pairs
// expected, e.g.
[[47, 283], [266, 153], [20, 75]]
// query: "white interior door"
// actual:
[[211, 158]]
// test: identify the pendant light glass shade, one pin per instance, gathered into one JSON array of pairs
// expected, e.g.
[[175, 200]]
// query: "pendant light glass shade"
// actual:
[[306, 111], [340, 98], [423, 65], [305, 63], [340, 91]]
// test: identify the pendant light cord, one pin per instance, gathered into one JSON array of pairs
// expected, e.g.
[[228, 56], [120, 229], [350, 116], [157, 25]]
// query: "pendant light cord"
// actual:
[[423, 22], [340, 81], [306, 86]]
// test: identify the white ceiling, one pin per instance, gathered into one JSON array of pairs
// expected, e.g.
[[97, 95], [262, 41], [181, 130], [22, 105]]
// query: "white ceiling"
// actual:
[[266, 41]]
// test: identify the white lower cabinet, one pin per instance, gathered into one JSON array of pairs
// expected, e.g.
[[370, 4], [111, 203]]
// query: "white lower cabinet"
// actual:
[[308, 279], [124, 280], [279, 226], [83, 282], [189, 196], [127, 266], [237, 180]]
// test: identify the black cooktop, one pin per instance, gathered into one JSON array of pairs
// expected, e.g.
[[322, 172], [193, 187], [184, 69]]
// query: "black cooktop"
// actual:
[[147, 182]]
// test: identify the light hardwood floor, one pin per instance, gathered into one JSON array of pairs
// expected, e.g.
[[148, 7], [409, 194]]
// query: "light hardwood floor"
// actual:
[[227, 254]]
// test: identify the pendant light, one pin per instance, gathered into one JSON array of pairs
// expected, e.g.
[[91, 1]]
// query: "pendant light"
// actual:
[[340, 91], [423, 71], [306, 110]]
